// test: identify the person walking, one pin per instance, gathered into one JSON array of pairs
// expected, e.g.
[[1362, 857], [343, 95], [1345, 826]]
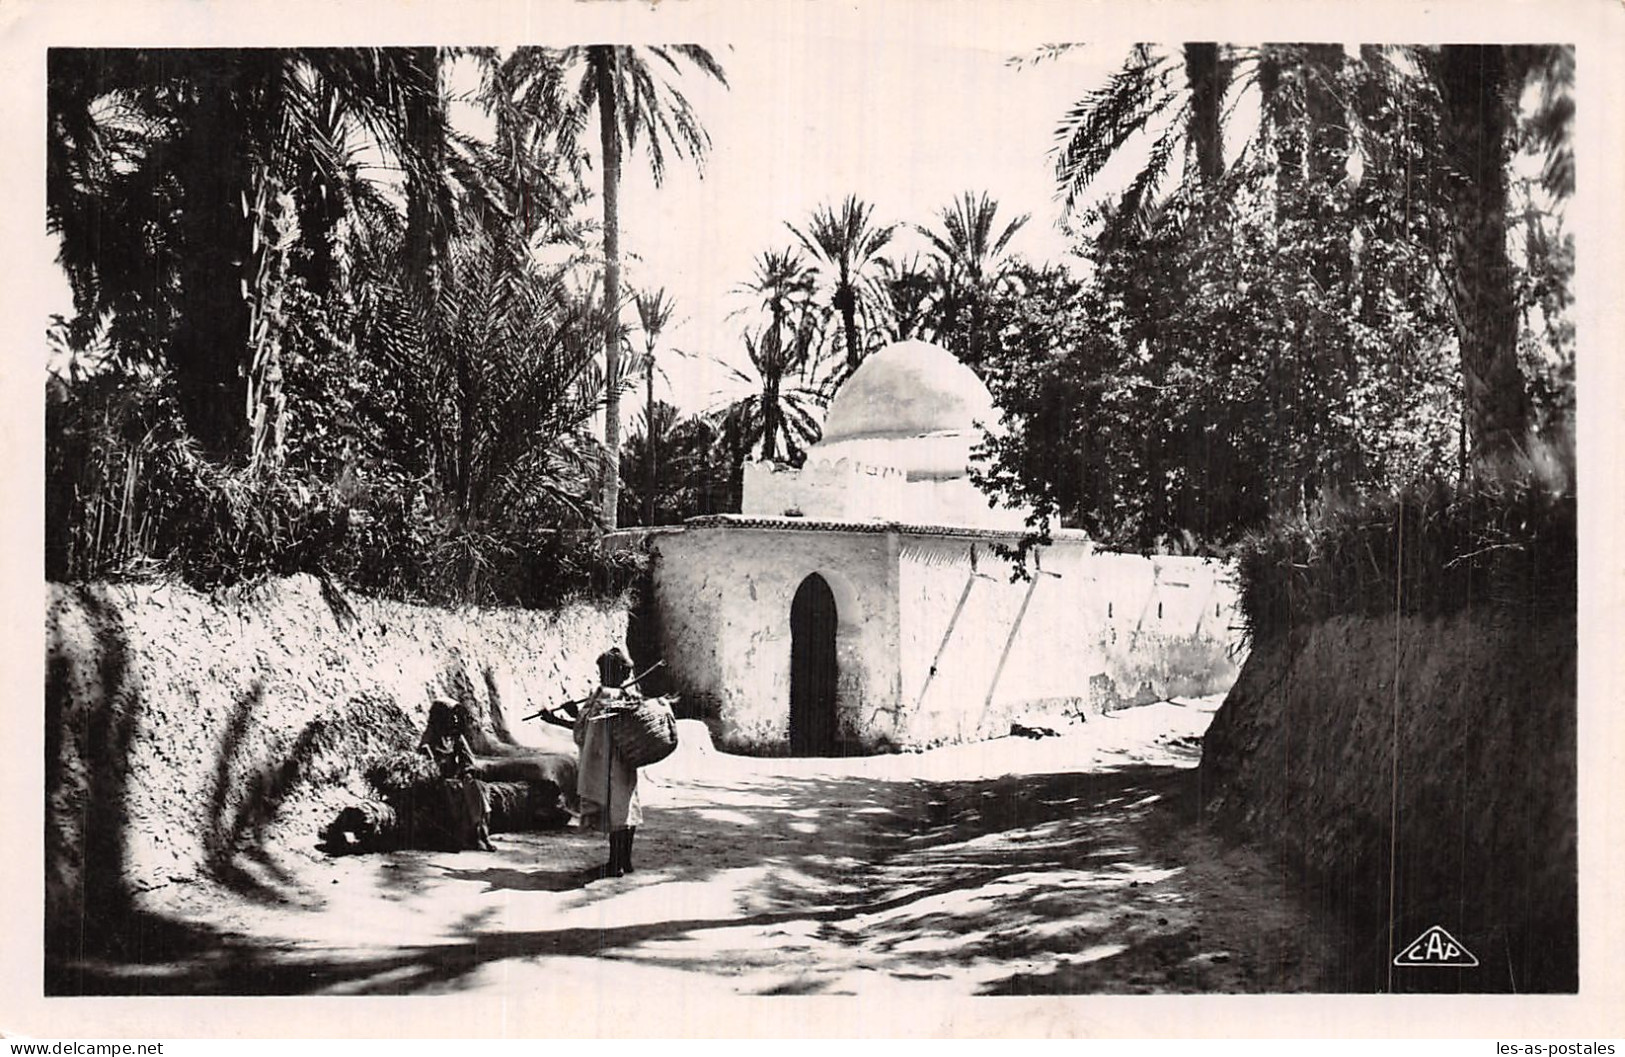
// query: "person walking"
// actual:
[[606, 785]]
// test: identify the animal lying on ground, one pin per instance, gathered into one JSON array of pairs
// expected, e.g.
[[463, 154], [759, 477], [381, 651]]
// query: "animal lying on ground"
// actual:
[[364, 826], [550, 776]]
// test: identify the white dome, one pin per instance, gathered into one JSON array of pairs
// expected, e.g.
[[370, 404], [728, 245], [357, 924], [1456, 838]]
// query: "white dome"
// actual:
[[908, 389], [897, 446]]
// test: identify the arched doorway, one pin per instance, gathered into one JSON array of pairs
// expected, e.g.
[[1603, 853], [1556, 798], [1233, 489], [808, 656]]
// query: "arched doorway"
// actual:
[[812, 669]]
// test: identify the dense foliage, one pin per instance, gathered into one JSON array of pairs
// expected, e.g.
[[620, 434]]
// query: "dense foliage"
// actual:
[[1504, 546], [1296, 318], [339, 349], [687, 464], [129, 493]]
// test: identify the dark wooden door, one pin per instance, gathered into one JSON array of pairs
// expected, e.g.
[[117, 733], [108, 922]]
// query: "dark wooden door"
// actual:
[[812, 669]]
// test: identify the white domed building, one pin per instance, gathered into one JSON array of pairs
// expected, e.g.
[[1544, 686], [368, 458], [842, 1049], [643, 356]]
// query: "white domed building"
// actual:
[[896, 446], [860, 603]]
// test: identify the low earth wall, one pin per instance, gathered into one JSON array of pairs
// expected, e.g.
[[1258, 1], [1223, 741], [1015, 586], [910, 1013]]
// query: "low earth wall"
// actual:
[[186, 731], [1416, 773]]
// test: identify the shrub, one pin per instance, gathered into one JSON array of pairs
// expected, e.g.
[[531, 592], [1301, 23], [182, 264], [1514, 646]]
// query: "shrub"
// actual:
[[1505, 541], [129, 494]]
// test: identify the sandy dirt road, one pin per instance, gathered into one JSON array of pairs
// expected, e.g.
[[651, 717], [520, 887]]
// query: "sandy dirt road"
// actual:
[[1067, 865]]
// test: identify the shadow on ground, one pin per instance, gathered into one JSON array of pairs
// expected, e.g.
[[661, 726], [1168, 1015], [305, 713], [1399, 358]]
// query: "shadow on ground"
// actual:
[[1032, 884]]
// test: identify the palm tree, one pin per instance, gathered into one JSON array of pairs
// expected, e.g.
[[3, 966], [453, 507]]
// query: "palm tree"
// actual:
[[785, 401], [623, 87], [1468, 97], [210, 165], [1478, 87], [783, 286], [498, 380], [1465, 99], [692, 480], [971, 257], [535, 163], [1205, 75], [1462, 100], [1184, 94], [654, 313], [109, 201], [847, 246], [783, 282], [651, 432], [914, 294]]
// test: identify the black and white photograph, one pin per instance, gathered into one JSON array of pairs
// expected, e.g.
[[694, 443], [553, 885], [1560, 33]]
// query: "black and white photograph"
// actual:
[[885, 520]]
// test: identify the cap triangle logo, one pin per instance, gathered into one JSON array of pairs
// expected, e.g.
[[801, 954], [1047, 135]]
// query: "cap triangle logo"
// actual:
[[1436, 947]]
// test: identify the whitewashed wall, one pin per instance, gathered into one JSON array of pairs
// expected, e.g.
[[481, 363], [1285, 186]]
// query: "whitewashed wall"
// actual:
[[724, 597], [848, 489], [180, 724], [1110, 629]]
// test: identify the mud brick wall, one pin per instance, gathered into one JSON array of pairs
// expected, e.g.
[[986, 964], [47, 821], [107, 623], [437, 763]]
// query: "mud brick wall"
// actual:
[[1415, 773], [183, 729]]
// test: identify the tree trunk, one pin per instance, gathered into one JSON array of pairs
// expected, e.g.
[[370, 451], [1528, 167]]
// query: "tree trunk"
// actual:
[[1328, 135], [604, 59], [1477, 122], [1326, 142], [213, 267], [467, 406], [770, 423], [427, 206], [1332, 371], [1207, 97], [1281, 133], [649, 427], [275, 224], [847, 301]]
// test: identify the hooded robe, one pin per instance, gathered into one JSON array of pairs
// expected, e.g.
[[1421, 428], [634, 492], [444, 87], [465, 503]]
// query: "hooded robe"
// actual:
[[607, 787]]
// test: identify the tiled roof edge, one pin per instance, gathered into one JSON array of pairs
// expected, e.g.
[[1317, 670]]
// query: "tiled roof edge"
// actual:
[[798, 524]]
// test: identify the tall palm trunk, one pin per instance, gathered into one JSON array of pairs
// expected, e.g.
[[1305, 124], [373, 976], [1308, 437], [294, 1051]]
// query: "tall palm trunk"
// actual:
[[265, 403], [1327, 142], [774, 343], [604, 70], [1477, 122], [1207, 95], [847, 302], [428, 209], [649, 427], [1306, 130], [1281, 132], [770, 430], [980, 291], [213, 322], [468, 402], [770, 421]]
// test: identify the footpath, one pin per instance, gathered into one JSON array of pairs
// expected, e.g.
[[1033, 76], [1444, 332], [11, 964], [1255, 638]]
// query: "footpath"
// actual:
[[1059, 866]]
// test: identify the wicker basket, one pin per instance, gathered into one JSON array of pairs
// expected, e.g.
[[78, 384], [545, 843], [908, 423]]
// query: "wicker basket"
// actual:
[[643, 732]]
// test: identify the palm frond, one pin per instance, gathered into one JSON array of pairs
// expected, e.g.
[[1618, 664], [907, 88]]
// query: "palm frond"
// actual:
[[1094, 129], [1041, 54]]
